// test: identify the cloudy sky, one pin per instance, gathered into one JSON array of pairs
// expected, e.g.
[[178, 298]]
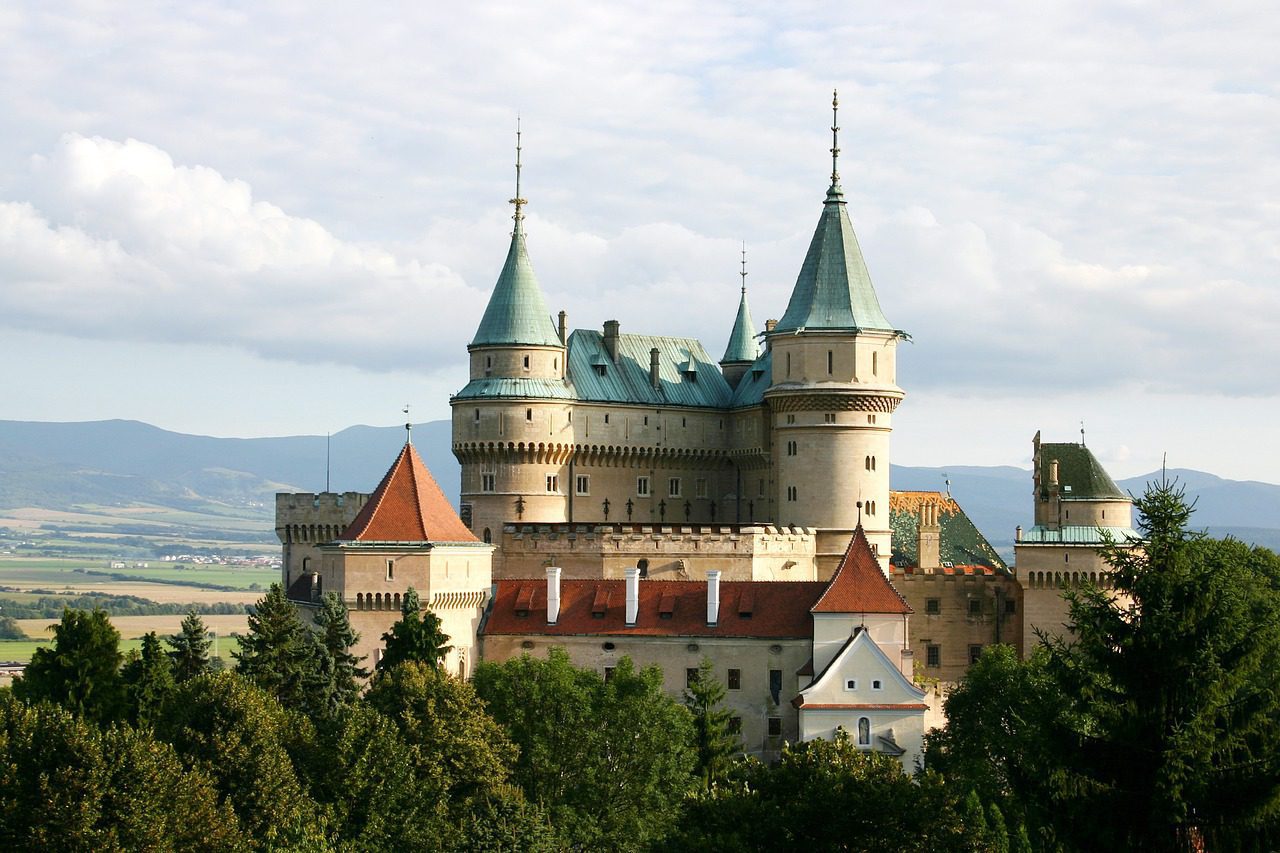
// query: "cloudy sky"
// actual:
[[259, 219]]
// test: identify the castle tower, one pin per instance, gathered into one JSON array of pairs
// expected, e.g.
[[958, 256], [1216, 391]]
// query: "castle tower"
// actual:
[[742, 350], [517, 366], [833, 391]]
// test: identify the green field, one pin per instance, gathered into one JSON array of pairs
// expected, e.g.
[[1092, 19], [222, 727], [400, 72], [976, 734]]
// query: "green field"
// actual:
[[53, 573], [22, 650]]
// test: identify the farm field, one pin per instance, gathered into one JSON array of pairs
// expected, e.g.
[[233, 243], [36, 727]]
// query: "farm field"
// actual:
[[133, 627], [21, 651], [83, 574]]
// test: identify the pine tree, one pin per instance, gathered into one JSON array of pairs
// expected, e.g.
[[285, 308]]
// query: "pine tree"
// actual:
[[148, 680], [81, 670], [338, 639], [275, 654], [417, 636], [190, 646], [714, 740]]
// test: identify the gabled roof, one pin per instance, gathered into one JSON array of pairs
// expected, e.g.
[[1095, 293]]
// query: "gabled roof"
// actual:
[[774, 609], [516, 313], [833, 290], [1080, 474], [961, 543], [407, 506], [858, 585], [742, 340], [859, 637]]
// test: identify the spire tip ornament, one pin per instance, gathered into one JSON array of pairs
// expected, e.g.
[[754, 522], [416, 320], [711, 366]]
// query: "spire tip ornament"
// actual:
[[518, 201], [835, 138]]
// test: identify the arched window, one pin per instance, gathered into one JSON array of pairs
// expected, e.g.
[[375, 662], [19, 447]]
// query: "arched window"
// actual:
[[397, 601], [378, 599], [488, 537], [359, 601], [864, 732]]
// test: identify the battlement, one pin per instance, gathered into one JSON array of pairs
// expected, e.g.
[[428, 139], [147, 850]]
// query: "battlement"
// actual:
[[315, 517], [671, 551]]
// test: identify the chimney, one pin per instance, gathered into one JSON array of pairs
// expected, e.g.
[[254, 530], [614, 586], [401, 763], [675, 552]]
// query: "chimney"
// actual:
[[1053, 474], [633, 595], [713, 597], [611, 339], [564, 328], [653, 368], [929, 538], [553, 595], [1017, 533], [769, 326]]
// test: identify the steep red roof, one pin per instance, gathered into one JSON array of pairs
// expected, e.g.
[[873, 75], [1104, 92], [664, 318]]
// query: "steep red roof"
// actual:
[[407, 506], [858, 586], [776, 609]]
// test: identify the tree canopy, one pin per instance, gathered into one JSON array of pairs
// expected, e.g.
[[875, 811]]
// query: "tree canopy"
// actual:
[[417, 636], [81, 670]]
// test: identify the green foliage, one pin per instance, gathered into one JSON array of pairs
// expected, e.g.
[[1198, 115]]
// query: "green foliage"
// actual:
[[275, 654], [51, 606], [1160, 713], [715, 742], [190, 647], [610, 762], [80, 671], [450, 736], [9, 627], [338, 639], [416, 637], [827, 795], [67, 785], [148, 681], [240, 736]]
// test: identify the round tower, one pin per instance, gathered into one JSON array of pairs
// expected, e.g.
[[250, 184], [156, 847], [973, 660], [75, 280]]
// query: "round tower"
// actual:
[[834, 390], [508, 420]]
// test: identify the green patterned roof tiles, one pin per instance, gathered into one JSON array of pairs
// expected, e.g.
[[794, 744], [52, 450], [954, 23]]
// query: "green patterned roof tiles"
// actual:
[[1080, 474], [961, 543], [516, 313], [742, 340], [686, 374]]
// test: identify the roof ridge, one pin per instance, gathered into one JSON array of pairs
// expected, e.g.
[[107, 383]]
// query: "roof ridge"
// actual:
[[864, 587]]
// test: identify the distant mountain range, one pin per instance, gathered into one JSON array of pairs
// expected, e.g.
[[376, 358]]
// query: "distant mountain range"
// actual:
[[68, 466]]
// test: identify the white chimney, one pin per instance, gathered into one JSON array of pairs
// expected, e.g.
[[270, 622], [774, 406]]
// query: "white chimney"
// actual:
[[713, 596], [553, 594], [633, 595]]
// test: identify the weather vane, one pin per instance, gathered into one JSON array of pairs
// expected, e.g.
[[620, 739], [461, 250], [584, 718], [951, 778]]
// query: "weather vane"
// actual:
[[518, 201], [835, 137], [408, 427], [744, 268]]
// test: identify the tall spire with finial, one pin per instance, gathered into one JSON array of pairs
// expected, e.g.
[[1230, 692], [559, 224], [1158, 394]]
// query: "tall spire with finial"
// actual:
[[835, 139], [744, 269], [408, 426], [742, 348], [517, 313], [518, 201]]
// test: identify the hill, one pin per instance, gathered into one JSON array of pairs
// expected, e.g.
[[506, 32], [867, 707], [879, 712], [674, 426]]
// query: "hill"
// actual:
[[125, 477]]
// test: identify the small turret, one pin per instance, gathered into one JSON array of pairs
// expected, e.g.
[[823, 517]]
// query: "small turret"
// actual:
[[742, 350]]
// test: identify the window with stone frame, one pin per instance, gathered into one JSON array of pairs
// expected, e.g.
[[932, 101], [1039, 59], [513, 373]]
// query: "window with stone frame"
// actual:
[[933, 655]]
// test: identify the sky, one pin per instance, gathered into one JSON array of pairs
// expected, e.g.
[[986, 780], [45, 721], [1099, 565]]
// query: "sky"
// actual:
[[245, 219]]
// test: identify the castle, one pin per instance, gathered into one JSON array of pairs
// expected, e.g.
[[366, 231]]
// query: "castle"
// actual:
[[621, 494]]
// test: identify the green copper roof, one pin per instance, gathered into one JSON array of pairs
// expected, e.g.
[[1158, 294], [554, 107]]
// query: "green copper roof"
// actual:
[[742, 340], [1078, 535], [535, 389], [751, 387], [686, 374], [960, 542], [1080, 475], [517, 313], [833, 290]]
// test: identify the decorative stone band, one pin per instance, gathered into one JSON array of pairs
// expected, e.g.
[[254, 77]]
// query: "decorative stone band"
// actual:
[[796, 401], [620, 456], [458, 600]]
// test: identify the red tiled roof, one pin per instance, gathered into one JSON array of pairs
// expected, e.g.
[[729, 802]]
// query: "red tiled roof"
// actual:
[[407, 506], [858, 586], [777, 609], [909, 706]]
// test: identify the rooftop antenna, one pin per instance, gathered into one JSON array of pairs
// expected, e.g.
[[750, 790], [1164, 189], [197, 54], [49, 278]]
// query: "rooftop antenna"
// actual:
[[744, 269], [518, 201], [835, 138], [408, 427], [1082, 433], [326, 461]]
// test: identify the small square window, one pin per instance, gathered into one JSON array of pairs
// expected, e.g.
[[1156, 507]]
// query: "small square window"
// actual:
[[735, 679], [975, 607], [608, 674], [932, 606], [975, 652], [1010, 606], [775, 727], [553, 483], [933, 655], [690, 676], [851, 684], [876, 684]]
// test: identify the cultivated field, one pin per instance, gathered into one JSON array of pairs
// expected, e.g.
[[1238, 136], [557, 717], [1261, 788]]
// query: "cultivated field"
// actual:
[[132, 627]]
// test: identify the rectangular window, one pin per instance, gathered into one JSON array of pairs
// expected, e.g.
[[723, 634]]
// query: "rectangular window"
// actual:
[[673, 487], [489, 482], [877, 684], [791, 419], [830, 362], [735, 679], [933, 655], [851, 684], [735, 725], [932, 606], [642, 487], [1010, 606], [477, 416], [391, 570], [584, 484], [975, 607], [608, 674], [775, 685], [553, 483], [606, 417], [775, 727], [701, 488], [975, 652], [691, 676], [830, 417], [760, 493]]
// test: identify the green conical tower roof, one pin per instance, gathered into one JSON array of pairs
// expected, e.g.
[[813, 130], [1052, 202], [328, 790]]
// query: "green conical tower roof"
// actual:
[[742, 340], [833, 290], [517, 313]]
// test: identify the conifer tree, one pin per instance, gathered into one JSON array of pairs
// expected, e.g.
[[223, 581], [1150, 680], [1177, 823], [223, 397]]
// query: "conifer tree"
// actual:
[[338, 639], [715, 742], [190, 647], [275, 654], [417, 636], [148, 680], [81, 670]]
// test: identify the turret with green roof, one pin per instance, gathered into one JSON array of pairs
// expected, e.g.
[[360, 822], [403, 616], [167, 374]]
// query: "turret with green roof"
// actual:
[[742, 350]]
